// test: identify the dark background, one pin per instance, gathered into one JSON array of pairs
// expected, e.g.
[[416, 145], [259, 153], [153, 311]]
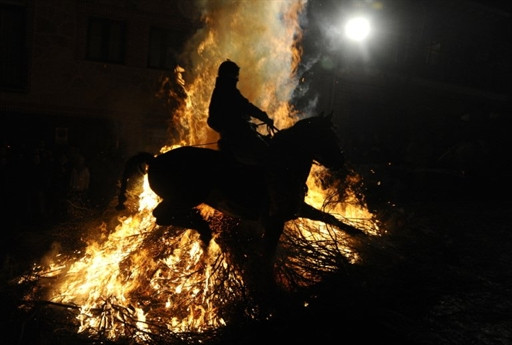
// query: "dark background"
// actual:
[[423, 112]]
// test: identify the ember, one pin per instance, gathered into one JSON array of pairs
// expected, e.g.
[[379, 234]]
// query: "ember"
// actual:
[[147, 282]]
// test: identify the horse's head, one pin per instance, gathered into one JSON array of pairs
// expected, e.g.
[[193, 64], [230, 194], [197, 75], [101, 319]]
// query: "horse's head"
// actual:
[[322, 141]]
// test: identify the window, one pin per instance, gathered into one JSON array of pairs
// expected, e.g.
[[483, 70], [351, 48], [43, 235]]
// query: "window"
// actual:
[[106, 40], [163, 47], [13, 48]]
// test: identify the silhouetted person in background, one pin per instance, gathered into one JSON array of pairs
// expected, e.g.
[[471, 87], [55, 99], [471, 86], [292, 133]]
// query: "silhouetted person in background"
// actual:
[[230, 115], [79, 181]]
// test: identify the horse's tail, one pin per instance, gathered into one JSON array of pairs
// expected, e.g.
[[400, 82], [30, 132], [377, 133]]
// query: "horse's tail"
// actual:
[[135, 165]]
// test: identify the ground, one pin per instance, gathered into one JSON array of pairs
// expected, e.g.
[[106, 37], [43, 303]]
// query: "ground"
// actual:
[[441, 276]]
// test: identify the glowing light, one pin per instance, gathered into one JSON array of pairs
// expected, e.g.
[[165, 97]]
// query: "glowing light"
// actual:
[[357, 29]]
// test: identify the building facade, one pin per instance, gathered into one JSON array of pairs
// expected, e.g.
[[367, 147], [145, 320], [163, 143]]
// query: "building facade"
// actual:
[[88, 73]]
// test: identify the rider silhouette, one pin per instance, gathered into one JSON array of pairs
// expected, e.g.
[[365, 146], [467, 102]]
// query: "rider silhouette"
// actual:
[[230, 115]]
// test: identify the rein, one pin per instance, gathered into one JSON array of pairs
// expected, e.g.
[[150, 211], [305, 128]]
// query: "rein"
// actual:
[[205, 144], [271, 129]]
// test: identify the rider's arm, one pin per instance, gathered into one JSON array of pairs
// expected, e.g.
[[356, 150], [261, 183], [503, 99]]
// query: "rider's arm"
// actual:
[[261, 115], [257, 113]]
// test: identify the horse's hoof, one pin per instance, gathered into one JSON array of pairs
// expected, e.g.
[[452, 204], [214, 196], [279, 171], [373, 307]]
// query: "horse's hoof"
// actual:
[[162, 221], [162, 217]]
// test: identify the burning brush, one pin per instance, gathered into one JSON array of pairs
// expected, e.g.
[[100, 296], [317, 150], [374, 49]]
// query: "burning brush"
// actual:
[[149, 283]]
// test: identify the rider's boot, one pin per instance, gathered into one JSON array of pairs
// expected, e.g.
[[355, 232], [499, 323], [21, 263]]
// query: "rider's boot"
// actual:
[[162, 215]]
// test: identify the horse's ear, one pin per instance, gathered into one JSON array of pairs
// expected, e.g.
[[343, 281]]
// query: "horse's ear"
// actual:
[[329, 116]]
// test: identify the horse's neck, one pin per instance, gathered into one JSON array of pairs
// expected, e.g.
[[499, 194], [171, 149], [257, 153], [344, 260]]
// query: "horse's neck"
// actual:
[[289, 152], [292, 142]]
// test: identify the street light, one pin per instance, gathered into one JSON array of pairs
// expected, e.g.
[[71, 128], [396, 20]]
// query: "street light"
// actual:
[[357, 29], [353, 54]]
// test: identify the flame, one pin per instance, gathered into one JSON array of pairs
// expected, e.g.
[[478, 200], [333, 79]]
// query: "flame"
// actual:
[[262, 38], [142, 279]]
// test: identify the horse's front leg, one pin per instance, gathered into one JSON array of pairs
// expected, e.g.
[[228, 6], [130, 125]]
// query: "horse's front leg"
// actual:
[[191, 218], [308, 211]]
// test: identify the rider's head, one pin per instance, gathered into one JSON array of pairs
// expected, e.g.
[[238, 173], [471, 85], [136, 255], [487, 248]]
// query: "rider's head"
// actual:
[[229, 70]]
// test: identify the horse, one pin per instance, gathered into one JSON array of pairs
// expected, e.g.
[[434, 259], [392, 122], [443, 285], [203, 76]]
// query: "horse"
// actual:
[[273, 193]]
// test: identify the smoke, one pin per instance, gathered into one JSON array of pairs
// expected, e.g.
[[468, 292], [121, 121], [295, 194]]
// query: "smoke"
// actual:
[[263, 38]]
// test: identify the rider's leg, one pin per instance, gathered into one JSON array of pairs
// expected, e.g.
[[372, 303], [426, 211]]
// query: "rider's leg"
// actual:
[[247, 147]]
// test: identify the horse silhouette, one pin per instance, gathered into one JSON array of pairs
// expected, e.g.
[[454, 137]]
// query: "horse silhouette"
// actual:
[[272, 194]]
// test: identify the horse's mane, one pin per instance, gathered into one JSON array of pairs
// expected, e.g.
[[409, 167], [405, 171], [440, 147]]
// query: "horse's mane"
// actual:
[[303, 129]]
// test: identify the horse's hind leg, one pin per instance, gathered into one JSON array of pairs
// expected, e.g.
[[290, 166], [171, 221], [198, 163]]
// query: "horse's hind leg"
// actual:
[[308, 211], [274, 226], [190, 218]]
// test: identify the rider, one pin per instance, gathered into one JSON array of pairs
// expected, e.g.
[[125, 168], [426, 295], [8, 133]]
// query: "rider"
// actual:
[[230, 115]]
